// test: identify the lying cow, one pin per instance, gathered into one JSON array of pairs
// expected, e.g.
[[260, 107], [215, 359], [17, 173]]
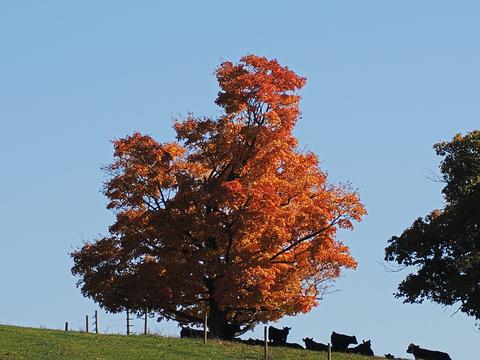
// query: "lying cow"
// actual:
[[425, 354], [365, 348], [313, 345], [187, 332], [294, 346], [389, 356], [278, 336], [340, 342], [251, 341]]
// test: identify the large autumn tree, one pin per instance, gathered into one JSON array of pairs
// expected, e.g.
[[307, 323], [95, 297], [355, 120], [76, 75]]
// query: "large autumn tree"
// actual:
[[231, 219], [443, 249]]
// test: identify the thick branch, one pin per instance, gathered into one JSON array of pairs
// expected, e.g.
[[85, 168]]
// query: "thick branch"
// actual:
[[305, 238]]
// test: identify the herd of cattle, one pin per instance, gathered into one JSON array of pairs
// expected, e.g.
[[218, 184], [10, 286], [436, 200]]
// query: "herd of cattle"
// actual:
[[339, 343]]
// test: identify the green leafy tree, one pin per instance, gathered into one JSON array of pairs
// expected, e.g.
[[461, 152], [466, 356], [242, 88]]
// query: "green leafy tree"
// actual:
[[444, 247]]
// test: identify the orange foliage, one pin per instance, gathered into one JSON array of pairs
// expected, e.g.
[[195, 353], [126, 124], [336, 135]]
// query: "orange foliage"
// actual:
[[231, 219]]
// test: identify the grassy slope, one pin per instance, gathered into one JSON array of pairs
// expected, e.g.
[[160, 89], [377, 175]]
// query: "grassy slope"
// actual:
[[26, 343]]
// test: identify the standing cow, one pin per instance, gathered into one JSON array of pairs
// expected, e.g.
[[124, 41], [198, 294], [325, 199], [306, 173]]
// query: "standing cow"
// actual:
[[278, 336], [340, 342]]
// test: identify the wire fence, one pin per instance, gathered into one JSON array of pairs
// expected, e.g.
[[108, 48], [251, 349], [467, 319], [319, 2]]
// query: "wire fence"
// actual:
[[129, 325]]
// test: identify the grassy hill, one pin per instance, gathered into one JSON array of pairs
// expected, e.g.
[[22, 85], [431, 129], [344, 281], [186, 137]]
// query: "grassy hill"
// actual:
[[17, 343]]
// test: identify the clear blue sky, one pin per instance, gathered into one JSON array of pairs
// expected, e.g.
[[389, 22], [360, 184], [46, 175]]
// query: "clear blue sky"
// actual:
[[386, 80]]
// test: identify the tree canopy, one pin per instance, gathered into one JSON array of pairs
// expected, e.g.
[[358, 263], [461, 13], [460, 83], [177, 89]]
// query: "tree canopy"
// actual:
[[230, 219], [443, 249]]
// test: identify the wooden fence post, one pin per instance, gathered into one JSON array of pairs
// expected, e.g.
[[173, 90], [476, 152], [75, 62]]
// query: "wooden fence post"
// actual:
[[66, 326], [205, 328], [265, 335], [329, 354], [86, 323], [128, 322], [96, 322], [145, 328]]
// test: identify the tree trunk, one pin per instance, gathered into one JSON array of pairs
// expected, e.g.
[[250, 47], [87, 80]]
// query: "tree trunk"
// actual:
[[218, 325]]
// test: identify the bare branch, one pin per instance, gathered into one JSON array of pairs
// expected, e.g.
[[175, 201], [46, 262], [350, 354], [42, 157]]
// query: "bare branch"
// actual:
[[391, 268], [435, 177]]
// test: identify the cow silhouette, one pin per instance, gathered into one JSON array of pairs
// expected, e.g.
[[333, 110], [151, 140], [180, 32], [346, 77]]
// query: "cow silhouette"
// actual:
[[340, 342], [313, 345], [278, 336], [426, 354], [365, 348]]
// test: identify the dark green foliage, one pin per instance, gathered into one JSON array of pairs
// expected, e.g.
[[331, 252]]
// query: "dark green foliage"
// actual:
[[444, 247]]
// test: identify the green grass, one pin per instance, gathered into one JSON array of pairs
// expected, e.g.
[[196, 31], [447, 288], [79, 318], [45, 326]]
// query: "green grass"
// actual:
[[18, 343]]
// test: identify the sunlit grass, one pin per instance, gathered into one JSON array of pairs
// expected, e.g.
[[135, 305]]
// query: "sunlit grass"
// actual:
[[27, 343]]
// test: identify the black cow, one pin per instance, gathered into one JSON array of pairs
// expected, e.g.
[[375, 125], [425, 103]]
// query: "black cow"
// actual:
[[294, 346], [340, 342], [187, 332], [251, 341], [425, 354], [278, 336], [365, 348], [312, 345], [389, 356]]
